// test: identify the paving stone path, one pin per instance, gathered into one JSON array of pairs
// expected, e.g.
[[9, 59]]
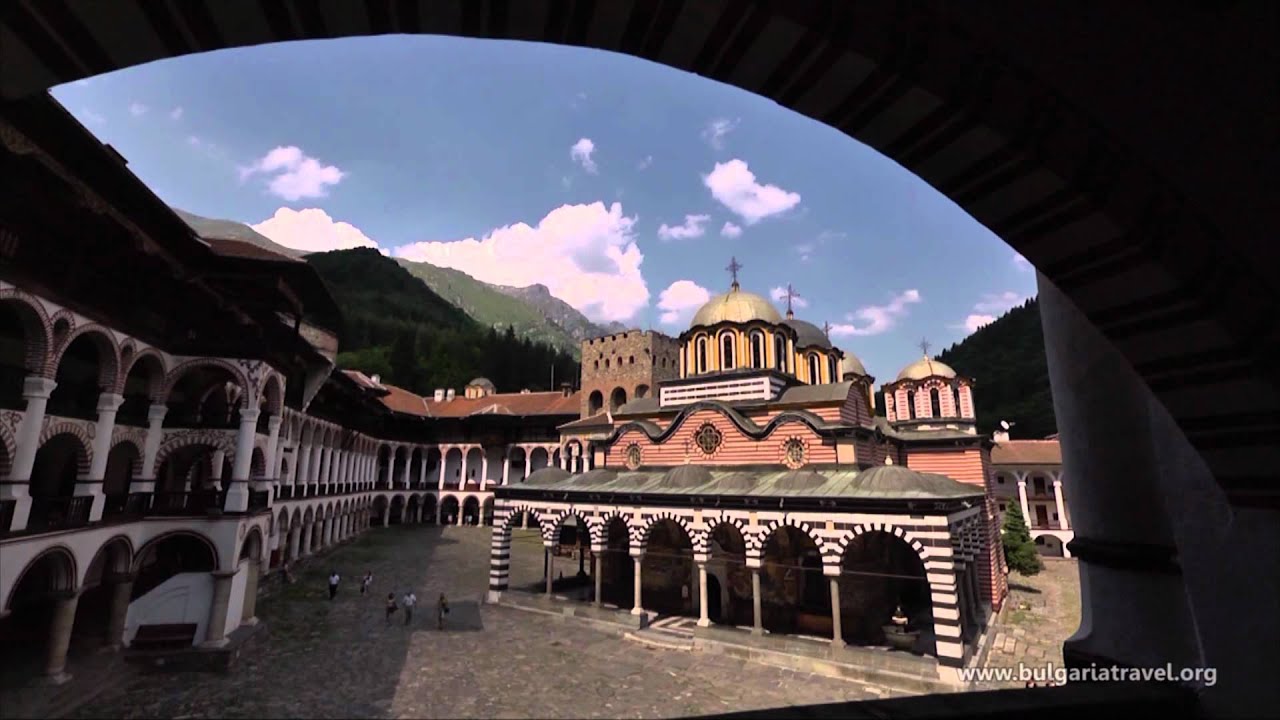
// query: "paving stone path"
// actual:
[[1043, 610], [340, 659]]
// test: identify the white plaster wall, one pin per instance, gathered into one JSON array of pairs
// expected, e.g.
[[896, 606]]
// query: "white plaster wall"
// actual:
[[183, 598], [235, 605]]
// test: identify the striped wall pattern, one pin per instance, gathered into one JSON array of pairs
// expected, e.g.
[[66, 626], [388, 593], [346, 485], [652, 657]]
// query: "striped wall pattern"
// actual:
[[1161, 270]]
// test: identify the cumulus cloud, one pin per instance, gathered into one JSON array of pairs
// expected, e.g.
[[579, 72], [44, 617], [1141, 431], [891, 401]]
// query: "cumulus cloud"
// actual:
[[585, 254], [645, 163], [780, 294], [176, 113], [876, 319], [294, 174], [986, 310], [680, 300], [581, 154], [312, 230], [734, 185], [137, 109], [692, 228], [1022, 263], [730, 230], [716, 130]]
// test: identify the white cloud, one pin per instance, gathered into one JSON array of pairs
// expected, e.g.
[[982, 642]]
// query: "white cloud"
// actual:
[[716, 130], [735, 186], [296, 175], [585, 254], [208, 148], [692, 228], [679, 300], [730, 230], [176, 113], [1022, 263], [93, 118], [581, 154], [312, 230], [986, 310], [875, 319], [805, 250], [780, 294], [645, 163], [137, 109]]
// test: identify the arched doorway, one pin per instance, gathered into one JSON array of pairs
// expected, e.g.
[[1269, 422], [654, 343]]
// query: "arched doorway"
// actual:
[[429, 509], [486, 512], [411, 509], [727, 566], [101, 608], [31, 648], [668, 576], [715, 600], [23, 346], [795, 598], [87, 367], [470, 511], [169, 556], [449, 514], [397, 510], [617, 573], [58, 464], [881, 573], [123, 463]]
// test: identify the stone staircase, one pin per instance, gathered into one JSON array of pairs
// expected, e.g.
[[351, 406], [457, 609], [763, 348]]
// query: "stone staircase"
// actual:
[[667, 633]]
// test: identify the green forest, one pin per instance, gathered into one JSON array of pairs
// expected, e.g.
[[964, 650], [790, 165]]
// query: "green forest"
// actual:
[[1011, 379], [396, 327]]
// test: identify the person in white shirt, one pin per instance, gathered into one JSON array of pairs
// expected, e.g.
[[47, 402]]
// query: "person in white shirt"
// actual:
[[408, 601], [333, 584]]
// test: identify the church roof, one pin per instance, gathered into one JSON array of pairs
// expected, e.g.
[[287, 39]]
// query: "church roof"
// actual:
[[808, 334], [851, 364], [514, 404], [1027, 452], [735, 306], [794, 395], [926, 367], [883, 482]]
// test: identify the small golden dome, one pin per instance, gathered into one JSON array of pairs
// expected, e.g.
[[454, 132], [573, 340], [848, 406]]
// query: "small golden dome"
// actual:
[[735, 306], [926, 367]]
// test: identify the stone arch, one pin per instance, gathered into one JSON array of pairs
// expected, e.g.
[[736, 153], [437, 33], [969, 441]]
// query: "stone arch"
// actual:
[[642, 535], [829, 555], [272, 393], [712, 523], [514, 510], [131, 361], [842, 544], [209, 544], [64, 575], [633, 531], [595, 402], [118, 559], [558, 522], [179, 440], [258, 463], [175, 376], [37, 330], [252, 546], [84, 454], [617, 398], [104, 343]]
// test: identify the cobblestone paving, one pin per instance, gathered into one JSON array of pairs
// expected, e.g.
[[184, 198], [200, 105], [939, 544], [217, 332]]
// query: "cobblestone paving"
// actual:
[[1043, 610], [340, 659]]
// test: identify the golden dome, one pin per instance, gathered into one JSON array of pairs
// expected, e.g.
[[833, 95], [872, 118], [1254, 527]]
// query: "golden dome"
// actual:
[[735, 306], [925, 367]]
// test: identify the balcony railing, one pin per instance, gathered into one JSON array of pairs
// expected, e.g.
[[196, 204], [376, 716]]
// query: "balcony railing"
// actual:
[[59, 513], [196, 502], [127, 505], [259, 499]]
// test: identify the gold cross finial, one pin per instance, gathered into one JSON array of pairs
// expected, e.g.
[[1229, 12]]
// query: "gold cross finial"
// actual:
[[791, 295], [734, 267], [924, 347]]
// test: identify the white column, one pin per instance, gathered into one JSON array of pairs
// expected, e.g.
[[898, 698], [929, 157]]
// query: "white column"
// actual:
[[215, 473], [422, 466], [1062, 506], [151, 448], [704, 619], [91, 486], [216, 630], [444, 456], [36, 391], [484, 467], [637, 559], [837, 635], [302, 467], [506, 465], [758, 625], [462, 475], [404, 473], [528, 461], [64, 615], [1022, 498], [238, 492], [313, 472]]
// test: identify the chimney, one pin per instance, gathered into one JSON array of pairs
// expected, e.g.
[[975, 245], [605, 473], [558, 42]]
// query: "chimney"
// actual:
[[376, 379], [1000, 436], [449, 394], [439, 395], [566, 389], [524, 391]]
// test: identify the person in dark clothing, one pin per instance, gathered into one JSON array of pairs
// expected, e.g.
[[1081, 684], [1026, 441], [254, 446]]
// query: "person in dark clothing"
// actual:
[[391, 606], [334, 577], [442, 609]]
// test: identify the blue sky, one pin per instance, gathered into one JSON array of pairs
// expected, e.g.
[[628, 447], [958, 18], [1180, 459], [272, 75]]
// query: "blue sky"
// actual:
[[623, 185]]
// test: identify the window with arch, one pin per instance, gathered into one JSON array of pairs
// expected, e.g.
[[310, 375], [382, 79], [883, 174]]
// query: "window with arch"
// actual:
[[726, 352], [780, 352], [606, 363], [935, 402], [833, 368], [631, 360], [955, 396], [597, 365], [814, 377], [911, 405], [757, 349], [702, 353]]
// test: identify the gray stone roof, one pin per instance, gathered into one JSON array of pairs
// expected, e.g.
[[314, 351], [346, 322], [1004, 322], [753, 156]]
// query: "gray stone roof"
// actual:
[[796, 394], [808, 334], [885, 482]]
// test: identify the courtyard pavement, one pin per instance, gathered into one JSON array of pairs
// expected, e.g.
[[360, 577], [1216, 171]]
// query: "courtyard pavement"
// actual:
[[1042, 611], [339, 659]]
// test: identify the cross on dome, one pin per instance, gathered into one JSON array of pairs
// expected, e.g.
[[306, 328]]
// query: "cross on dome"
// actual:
[[733, 268], [924, 347], [791, 295], [826, 329]]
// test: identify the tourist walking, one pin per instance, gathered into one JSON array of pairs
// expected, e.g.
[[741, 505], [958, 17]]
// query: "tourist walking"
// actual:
[[442, 609], [334, 577], [408, 601], [366, 582], [391, 606]]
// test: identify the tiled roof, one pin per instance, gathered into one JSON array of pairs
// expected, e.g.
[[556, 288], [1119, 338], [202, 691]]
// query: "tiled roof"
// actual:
[[515, 404], [795, 395], [245, 249], [600, 419], [1027, 452], [363, 380]]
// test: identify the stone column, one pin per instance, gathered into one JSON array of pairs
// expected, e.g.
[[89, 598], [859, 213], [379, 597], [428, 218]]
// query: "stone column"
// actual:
[[506, 465], [837, 636], [422, 467], [404, 473], [295, 534], [302, 472], [217, 460], [313, 472], [637, 559], [1134, 605], [528, 462], [216, 631], [91, 485], [36, 391], [462, 475], [484, 468], [273, 453], [146, 481], [249, 615], [121, 589], [1022, 498], [704, 617], [386, 515], [758, 627], [597, 567], [547, 550], [444, 456], [64, 617], [238, 492], [305, 536], [1062, 505]]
